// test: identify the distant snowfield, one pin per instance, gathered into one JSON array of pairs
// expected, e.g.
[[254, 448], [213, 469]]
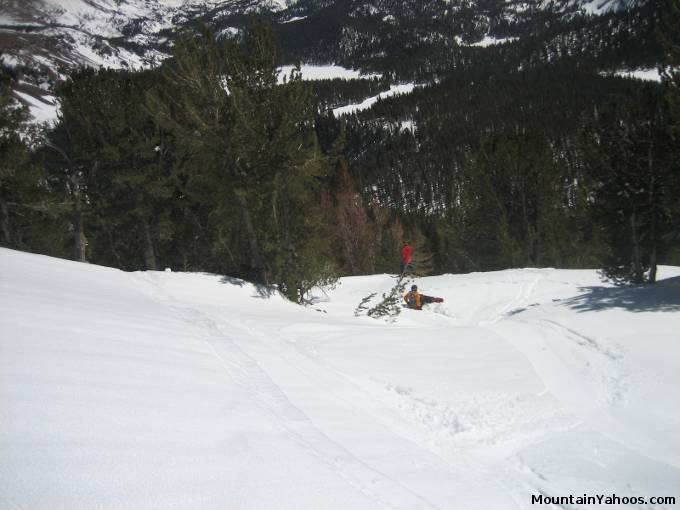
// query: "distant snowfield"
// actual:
[[641, 74], [331, 72], [404, 88], [487, 41], [294, 18], [325, 72], [106, 17], [175, 390]]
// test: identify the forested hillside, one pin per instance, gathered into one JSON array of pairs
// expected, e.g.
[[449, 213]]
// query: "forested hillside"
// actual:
[[521, 145]]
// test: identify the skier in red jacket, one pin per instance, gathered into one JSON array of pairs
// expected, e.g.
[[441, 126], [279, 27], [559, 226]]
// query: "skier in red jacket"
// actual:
[[405, 257]]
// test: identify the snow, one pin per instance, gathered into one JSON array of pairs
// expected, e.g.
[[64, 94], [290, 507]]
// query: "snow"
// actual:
[[9, 60], [41, 111], [486, 41], [324, 72], [294, 18], [278, 5], [179, 390], [104, 17], [491, 41], [94, 17], [403, 88], [229, 32], [597, 7], [408, 125], [80, 26], [641, 74]]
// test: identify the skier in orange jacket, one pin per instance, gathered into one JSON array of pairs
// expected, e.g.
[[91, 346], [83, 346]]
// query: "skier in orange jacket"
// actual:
[[416, 300]]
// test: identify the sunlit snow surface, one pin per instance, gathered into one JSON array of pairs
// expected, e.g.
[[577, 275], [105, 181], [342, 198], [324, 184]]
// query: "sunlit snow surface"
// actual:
[[172, 390]]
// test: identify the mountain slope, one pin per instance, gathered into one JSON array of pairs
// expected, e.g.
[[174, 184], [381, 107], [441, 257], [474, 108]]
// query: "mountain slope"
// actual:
[[173, 390], [43, 40], [128, 33]]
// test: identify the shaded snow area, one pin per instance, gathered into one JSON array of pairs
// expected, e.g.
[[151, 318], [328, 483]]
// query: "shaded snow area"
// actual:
[[176, 390]]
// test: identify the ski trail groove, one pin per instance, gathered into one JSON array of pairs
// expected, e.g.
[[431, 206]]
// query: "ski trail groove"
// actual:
[[525, 291], [583, 340]]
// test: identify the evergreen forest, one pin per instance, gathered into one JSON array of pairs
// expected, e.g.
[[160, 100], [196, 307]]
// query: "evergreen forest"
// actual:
[[530, 153]]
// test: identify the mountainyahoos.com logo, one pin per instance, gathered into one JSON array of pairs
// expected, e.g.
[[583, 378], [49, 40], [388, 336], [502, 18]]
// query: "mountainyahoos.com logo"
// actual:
[[600, 499]]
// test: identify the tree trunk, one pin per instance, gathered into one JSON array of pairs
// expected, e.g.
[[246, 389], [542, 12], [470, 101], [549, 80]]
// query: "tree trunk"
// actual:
[[4, 224], [638, 273], [80, 241], [149, 253], [652, 265], [652, 209], [112, 247], [256, 263]]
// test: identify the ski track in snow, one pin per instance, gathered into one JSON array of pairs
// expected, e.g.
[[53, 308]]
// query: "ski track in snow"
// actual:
[[586, 367]]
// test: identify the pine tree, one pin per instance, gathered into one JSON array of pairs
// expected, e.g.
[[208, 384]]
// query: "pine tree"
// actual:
[[390, 305], [628, 151], [669, 33], [190, 103], [278, 169], [246, 160], [26, 213], [13, 158], [109, 161]]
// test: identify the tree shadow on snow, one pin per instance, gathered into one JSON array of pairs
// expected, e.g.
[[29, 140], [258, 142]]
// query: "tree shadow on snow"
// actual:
[[664, 296], [232, 281], [264, 291], [261, 291]]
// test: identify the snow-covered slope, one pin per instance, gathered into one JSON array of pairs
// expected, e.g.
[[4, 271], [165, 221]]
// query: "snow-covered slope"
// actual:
[[55, 34], [112, 33], [170, 390], [602, 6], [46, 39]]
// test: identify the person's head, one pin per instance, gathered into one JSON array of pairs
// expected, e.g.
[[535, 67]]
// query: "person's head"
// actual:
[[406, 243], [414, 288]]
